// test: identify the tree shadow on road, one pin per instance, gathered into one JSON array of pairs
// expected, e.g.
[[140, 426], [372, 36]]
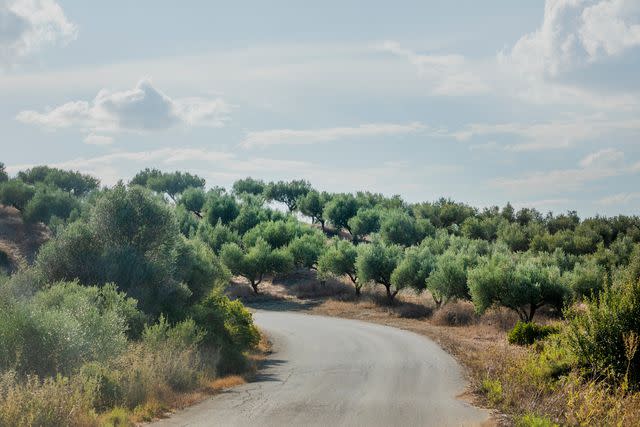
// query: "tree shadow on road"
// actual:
[[265, 374], [282, 304]]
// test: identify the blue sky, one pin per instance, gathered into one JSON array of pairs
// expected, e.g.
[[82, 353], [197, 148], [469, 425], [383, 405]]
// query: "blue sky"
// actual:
[[535, 102]]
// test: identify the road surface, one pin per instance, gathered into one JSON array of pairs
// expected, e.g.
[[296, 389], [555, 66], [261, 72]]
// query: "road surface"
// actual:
[[336, 372]]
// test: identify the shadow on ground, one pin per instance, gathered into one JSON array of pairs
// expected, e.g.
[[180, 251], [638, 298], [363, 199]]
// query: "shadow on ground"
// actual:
[[282, 304]]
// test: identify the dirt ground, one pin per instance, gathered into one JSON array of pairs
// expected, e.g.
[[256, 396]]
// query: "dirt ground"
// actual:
[[19, 241]]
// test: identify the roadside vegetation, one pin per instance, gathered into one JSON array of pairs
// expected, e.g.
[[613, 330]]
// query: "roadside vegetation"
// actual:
[[126, 305]]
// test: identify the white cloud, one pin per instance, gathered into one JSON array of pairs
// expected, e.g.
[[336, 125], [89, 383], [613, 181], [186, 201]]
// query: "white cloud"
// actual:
[[143, 108], [28, 25], [93, 139], [607, 28], [266, 138], [603, 158], [619, 199], [449, 75], [575, 32], [553, 134], [593, 167]]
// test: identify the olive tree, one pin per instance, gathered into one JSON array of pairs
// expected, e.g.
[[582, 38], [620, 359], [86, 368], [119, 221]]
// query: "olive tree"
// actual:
[[586, 279], [69, 181], [249, 186], [287, 192], [249, 216], [448, 281], [340, 209], [170, 183], [312, 205], [376, 262], [307, 249], [339, 259], [522, 285], [398, 228], [414, 269], [277, 234], [220, 207], [215, 236], [255, 262], [365, 222], [193, 199]]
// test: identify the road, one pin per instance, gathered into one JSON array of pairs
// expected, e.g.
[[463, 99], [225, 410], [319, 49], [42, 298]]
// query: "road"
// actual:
[[336, 372]]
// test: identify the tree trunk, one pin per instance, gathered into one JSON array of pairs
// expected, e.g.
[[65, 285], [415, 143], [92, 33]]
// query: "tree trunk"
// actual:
[[354, 280], [390, 295], [322, 225], [437, 301], [255, 283], [532, 312]]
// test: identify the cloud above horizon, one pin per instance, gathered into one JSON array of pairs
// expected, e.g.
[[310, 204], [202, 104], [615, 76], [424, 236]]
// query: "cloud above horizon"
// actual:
[[574, 33], [141, 109], [266, 138], [28, 25]]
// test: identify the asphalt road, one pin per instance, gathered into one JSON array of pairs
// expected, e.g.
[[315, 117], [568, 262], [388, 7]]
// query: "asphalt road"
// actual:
[[336, 372]]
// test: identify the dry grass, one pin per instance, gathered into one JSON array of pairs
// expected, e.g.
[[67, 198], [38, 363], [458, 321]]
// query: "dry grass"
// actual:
[[223, 383], [459, 313]]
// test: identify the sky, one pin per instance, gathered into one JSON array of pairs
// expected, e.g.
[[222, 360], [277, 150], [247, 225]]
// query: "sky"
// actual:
[[533, 102]]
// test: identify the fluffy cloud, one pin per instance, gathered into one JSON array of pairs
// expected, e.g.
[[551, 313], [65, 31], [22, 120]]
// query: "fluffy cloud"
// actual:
[[143, 108], [574, 32], [310, 136], [28, 25]]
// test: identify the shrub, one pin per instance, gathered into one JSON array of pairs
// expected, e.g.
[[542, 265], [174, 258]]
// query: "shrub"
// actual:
[[16, 193], [602, 335], [492, 389], [229, 329], [586, 279], [106, 385], [532, 420], [526, 333], [62, 328], [48, 203]]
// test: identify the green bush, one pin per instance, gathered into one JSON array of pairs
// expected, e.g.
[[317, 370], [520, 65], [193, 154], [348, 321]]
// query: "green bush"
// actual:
[[526, 333], [63, 327], [604, 336], [229, 330], [532, 420]]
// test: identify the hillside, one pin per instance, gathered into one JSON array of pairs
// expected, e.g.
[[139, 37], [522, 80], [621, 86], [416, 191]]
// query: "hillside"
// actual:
[[19, 241]]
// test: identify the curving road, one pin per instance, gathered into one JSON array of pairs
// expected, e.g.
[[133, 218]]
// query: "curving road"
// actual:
[[336, 372]]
